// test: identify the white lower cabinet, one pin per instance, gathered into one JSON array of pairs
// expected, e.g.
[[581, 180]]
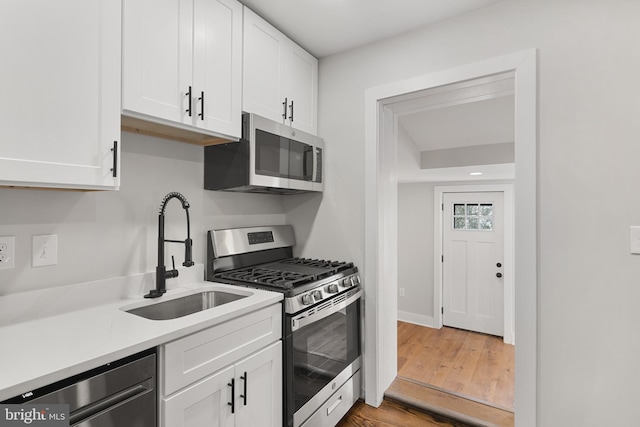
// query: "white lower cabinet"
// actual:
[[237, 380], [258, 399]]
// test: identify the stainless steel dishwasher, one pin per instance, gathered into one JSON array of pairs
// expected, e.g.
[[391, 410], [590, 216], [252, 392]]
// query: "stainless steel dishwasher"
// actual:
[[118, 394]]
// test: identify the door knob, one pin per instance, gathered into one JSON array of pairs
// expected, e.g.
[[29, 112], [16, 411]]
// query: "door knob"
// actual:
[[498, 275], [498, 265]]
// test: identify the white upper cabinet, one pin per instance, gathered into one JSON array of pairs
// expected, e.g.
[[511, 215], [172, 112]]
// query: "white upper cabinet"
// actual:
[[182, 64], [280, 79], [60, 86]]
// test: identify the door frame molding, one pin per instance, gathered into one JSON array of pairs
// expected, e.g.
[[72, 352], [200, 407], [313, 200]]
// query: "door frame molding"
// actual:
[[438, 249], [380, 225]]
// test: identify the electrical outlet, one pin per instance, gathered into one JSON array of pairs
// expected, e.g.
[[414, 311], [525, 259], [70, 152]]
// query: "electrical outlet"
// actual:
[[401, 292], [45, 250], [7, 252]]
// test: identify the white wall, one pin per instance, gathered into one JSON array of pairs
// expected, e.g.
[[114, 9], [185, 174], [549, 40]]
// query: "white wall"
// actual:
[[588, 150], [408, 152], [110, 234], [415, 253]]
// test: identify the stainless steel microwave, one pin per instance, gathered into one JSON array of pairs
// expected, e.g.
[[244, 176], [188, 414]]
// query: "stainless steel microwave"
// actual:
[[270, 158]]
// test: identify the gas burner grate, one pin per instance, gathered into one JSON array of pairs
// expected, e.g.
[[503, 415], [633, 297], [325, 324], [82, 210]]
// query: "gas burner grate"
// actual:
[[333, 266], [286, 273], [267, 276]]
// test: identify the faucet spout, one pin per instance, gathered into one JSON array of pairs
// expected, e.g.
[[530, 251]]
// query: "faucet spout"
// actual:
[[161, 271]]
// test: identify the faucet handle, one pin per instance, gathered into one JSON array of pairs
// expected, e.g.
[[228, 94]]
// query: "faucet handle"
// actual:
[[173, 272]]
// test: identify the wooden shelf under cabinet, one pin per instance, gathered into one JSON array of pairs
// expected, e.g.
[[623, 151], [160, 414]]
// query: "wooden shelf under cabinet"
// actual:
[[135, 125]]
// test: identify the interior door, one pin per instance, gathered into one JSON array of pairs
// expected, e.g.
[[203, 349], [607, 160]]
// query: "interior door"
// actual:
[[473, 261]]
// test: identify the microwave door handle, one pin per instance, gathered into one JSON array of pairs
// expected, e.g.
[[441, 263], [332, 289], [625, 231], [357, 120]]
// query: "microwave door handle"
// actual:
[[309, 175], [314, 156], [313, 164]]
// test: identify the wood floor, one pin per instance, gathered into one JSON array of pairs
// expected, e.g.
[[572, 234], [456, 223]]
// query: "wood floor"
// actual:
[[393, 414], [477, 366], [446, 378]]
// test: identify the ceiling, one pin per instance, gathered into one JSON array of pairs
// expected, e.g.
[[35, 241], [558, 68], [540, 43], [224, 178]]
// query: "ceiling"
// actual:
[[489, 121], [326, 27]]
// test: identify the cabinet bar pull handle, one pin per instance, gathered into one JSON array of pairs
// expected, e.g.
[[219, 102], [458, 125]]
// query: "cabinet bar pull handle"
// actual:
[[114, 150], [201, 99], [232, 384], [188, 110], [244, 395], [284, 109], [291, 112]]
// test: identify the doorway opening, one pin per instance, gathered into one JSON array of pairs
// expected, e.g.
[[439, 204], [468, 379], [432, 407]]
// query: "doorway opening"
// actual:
[[381, 224], [472, 225]]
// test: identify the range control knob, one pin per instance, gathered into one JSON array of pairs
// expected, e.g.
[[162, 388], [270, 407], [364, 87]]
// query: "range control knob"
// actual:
[[356, 280], [332, 288], [317, 295], [307, 299], [347, 282]]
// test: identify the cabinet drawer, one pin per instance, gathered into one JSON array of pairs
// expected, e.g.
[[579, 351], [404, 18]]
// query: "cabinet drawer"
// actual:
[[196, 356]]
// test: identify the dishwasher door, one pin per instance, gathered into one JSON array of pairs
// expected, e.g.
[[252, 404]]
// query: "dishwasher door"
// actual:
[[118, 394]]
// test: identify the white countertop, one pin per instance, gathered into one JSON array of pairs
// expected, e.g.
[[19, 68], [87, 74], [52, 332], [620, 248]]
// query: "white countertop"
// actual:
[[52, 334]]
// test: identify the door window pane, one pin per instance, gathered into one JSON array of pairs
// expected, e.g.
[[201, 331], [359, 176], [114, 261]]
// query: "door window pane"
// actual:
[[485, 223], [473, 216], [472, 223], [486, 209]]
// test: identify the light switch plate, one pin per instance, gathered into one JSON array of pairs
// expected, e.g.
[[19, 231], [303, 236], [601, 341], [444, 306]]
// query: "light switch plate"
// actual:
[[634, 239], [45, 250]]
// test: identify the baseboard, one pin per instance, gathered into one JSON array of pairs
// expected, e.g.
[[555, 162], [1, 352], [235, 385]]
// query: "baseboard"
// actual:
[[416, 319]]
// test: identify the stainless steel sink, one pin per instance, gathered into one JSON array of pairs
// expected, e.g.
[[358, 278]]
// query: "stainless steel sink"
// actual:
[[186, 305]]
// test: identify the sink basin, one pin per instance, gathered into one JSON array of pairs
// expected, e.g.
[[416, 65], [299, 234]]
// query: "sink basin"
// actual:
[[186, 305]]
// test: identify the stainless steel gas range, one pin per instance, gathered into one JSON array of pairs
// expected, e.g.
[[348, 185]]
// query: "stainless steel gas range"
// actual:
[[321, 312]]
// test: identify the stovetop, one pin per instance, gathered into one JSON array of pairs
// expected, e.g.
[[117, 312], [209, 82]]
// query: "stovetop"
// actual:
[[262, 257], [285, 274]]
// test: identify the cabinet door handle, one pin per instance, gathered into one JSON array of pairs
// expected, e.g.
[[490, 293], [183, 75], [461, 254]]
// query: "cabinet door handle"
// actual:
[[244, 395], [188, 110], [284, 109], [232, 384], [291, 112], [114, 150], [201, 99]]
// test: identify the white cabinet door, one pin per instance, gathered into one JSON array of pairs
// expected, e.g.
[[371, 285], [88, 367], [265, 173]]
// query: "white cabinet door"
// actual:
[[217, 69], [278, 76], [182, 64], [203, 404], [263, 68], [259, 388], [301, 85], [157, 58], [60, 102]]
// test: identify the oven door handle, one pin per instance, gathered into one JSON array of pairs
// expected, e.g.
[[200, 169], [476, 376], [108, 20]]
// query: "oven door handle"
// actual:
[[302, 320]]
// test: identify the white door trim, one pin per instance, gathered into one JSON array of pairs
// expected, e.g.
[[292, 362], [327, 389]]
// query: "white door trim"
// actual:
[[380, 315], [438, 232]]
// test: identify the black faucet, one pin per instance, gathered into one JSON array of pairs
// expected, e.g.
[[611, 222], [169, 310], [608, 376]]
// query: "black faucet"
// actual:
[[161, 271]]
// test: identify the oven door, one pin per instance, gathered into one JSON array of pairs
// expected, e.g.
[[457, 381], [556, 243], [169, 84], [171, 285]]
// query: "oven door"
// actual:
[[323, 352]]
